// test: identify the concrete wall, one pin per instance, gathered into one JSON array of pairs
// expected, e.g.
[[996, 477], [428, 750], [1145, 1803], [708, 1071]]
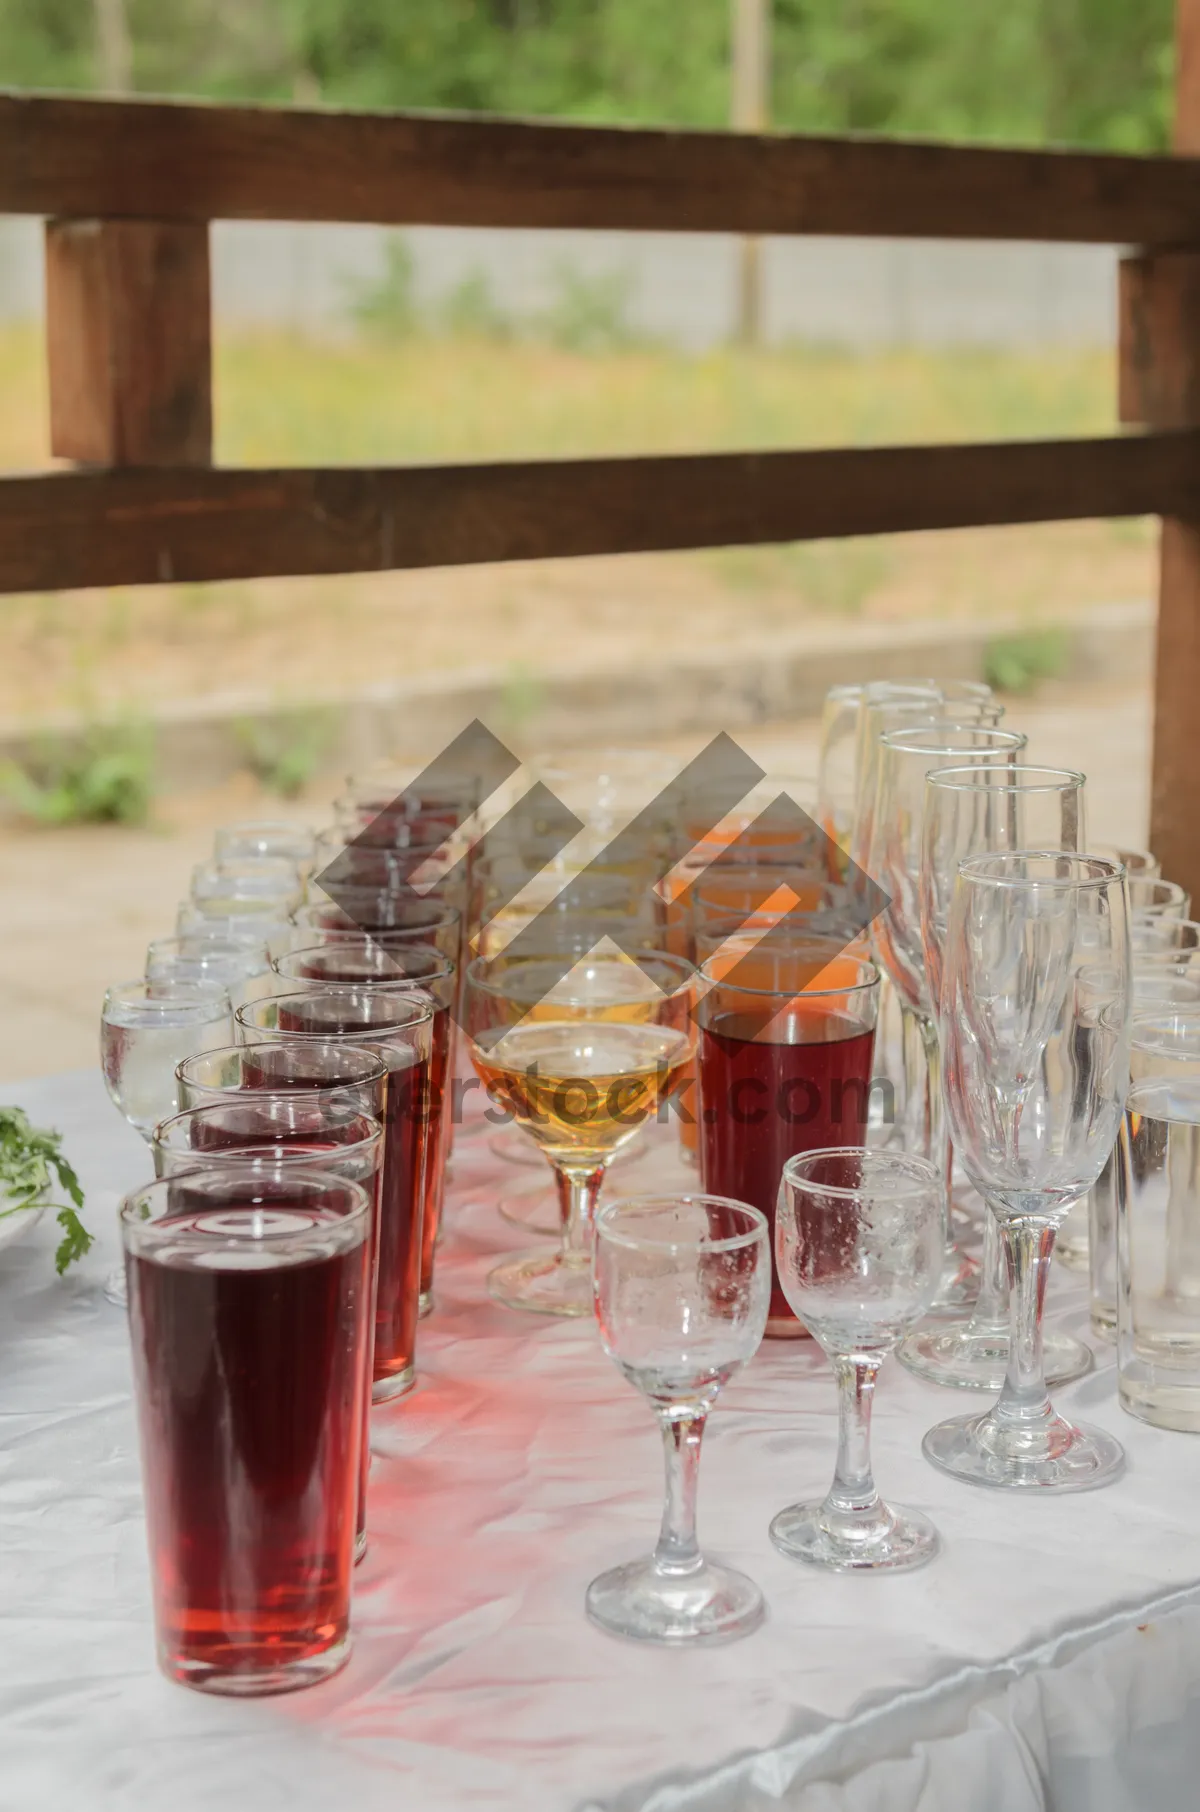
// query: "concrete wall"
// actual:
[[682, 287]]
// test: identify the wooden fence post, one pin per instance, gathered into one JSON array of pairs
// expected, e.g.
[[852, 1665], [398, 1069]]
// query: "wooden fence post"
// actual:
[[128, 340], [1160, 386]]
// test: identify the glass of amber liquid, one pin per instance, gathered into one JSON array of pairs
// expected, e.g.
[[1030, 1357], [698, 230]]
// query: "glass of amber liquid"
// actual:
[[579, 1051]]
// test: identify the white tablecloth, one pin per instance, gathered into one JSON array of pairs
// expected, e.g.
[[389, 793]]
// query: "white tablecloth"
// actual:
[[1050, 1656]]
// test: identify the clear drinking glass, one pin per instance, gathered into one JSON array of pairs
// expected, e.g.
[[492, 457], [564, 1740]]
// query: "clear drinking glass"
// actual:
[[680, 1289], [906, 758], [200, 961], [146, 1028], [1158, 1253], [1139, 864], [858, 1245], [249, 1304], [970, 811], [1035, 1072], [835, 763], [1164, 1046], [273, 838], [580, 1052], [1158, 900], [267, 885]]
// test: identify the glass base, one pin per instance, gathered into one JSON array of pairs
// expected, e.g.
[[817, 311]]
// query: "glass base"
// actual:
[[532, 1210], [1058, 1456], [1103, 1318], [115, 1288], [712, 1604], [955, 1356], [1073, 1254], [290, 1676], [905, 1539], [384, 1390], [542, 1283]]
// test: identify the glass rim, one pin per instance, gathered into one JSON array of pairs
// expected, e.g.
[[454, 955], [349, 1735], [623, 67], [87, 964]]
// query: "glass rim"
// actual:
[[328, 833], [257, 1097], [444, 973], [231, 946], [916, 1171], [909, 742], [972, 778], [443, 914], [376, 1069], [182, 994], [421, 1011], [758, 1229], [855, 987], [685, 970], [313, 1180], [990, 869], [1175, 890]]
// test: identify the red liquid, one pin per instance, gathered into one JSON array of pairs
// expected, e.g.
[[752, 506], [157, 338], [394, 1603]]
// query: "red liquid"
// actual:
[[406, 1140], [251, 1387], [300, 1141], [762, 1102]]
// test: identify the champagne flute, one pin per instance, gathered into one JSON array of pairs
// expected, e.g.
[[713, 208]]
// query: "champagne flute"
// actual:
[[1036, 1068], [580, 1052], [970, 811], [906, 757]]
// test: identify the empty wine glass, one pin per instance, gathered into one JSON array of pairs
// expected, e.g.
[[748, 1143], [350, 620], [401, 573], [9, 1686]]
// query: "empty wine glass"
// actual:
[[970, 811], [1035, 1071], [146, 1029], [858, 1244], [680, 1286]]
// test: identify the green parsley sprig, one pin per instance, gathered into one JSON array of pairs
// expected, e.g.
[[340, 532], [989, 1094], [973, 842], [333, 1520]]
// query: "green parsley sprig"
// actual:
[[28, 1155]]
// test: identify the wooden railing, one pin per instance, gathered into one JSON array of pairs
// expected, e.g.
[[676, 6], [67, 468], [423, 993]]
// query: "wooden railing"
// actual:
[[129, 189]]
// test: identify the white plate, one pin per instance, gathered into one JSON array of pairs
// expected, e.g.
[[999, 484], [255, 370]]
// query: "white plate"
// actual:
[[15, 1226]]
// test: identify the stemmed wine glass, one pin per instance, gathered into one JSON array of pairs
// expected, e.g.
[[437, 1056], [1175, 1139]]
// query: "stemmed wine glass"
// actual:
[[858, 1245], [971, 811], [146, 1029], [681, 1286], [580, 1051], [1035, 1071], [906, 757]]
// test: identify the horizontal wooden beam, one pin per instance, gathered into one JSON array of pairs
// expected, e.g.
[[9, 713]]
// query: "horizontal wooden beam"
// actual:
[[69, 529], [172, 160]]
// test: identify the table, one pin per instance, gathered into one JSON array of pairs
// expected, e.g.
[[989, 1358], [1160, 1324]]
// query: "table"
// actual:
[[1050, 1656]]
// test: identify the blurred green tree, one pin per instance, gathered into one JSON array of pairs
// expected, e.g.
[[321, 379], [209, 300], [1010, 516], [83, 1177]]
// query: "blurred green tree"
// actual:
[[1092, 72]]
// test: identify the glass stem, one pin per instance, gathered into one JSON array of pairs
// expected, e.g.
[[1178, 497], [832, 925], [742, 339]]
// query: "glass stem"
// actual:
[[578, 1193], [853, 1507], [1023, 1411], [682, 1431], [990, 1314]]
